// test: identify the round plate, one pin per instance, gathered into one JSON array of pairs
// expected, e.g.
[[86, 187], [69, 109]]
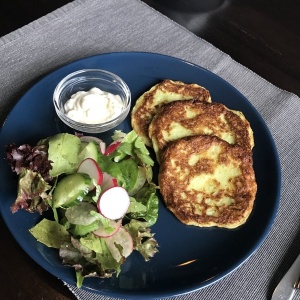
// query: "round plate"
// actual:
[[189, 258]]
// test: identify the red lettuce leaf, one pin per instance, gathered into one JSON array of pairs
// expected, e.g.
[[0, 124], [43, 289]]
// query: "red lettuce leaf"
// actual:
[[31, 158]]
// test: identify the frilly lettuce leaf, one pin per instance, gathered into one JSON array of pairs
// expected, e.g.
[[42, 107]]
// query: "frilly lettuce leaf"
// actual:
[[148, 198], [32, 192], [143, 239], [32, 158], [118, 135], [90, 257], [133, 146]]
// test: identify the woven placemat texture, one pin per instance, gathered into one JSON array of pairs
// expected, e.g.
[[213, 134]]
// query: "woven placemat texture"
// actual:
[[88, 27]]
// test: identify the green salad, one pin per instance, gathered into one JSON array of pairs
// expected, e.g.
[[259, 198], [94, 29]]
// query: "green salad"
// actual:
[[102, 197]]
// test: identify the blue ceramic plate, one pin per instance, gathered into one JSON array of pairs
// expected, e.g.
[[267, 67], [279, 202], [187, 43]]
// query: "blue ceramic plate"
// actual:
[[189, 258]]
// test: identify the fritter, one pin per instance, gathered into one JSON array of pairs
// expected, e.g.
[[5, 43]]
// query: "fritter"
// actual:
[[192, 117], [167, 91], [206, 181]]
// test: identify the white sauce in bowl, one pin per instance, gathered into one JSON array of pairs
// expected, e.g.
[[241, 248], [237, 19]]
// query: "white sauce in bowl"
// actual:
[[93, 107]]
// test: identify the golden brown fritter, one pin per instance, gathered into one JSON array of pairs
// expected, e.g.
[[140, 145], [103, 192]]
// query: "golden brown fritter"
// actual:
[[167, 91], [206, 181], [192, 117]]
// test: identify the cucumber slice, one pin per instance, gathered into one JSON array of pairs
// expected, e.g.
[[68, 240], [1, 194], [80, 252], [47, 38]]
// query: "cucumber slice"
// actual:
[[71, 190], [89, 150]]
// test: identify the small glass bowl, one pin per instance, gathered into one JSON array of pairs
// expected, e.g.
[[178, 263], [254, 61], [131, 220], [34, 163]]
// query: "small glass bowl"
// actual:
[[84, 80]]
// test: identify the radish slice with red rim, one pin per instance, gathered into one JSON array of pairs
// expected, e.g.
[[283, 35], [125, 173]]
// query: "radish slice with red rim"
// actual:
[[112, 147], [114, 203], [108, 182], [90, 167]]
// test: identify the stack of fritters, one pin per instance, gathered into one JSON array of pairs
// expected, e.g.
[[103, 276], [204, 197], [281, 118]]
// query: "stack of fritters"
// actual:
[[204, 149]]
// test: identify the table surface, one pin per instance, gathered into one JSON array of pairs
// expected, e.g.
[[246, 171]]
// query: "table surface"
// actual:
[[262, 35]]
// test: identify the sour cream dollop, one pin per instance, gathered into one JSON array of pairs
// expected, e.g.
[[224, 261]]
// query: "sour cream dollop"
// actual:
[[93, 107]]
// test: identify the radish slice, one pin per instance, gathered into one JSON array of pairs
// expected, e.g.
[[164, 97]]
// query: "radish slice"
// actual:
[[114, 203], [101, 232], [108, 182], [112, 147], [89, 166], [122, 238], [102, 145]]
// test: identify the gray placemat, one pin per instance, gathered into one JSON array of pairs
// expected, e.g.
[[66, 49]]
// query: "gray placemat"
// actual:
[[87, 27]]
